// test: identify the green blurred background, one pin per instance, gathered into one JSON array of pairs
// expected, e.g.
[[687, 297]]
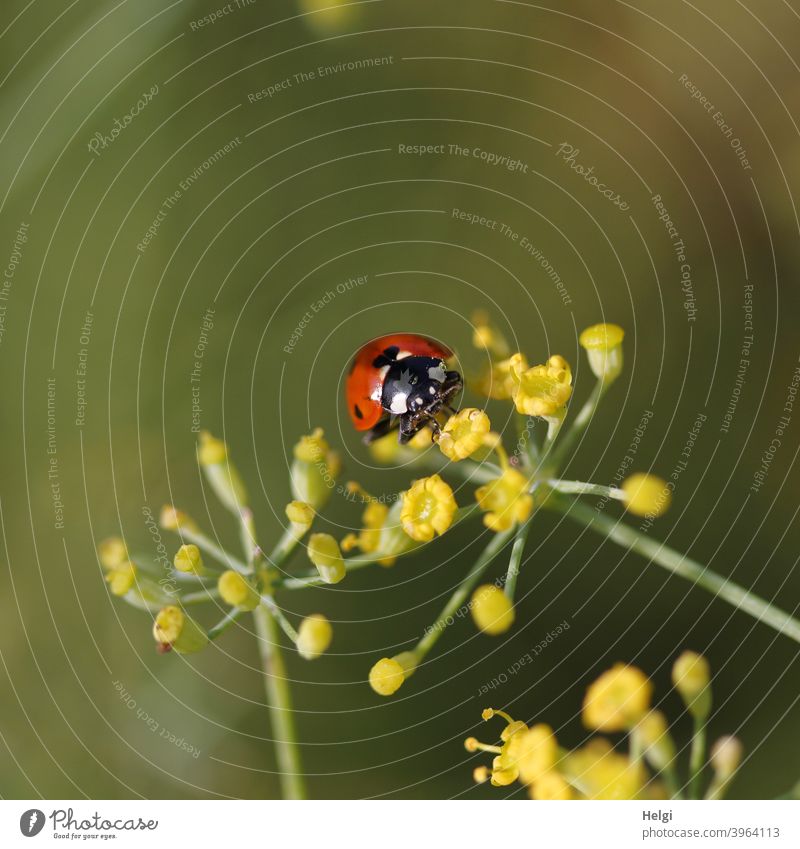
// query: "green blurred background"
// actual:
[[316, 191]]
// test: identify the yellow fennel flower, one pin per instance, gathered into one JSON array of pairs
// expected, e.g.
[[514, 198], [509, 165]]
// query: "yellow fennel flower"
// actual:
[[428, 508], [388, 674], [237, 591], [300, 516], [542, 390], [325, 554], [603, 346], [505, 768], [189, 559], [492, 610], [173, 519], [505, 500], [551, 787], [373, 518], [499, 380], [121, 578], [602, 773], [174, 629], [314, 470], [112, 552], [314, 636], [463, 434], [486, 337], [536, 752], [646, 495], [618, 699]]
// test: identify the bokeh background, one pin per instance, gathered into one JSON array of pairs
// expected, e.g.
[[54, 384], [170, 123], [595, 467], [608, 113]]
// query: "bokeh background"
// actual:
[[314, 190]]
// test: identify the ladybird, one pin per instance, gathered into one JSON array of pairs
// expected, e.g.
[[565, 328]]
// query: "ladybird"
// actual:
[[400, 380]]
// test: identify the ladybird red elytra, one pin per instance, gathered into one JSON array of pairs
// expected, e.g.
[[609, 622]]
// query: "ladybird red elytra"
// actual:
[[400, 380]]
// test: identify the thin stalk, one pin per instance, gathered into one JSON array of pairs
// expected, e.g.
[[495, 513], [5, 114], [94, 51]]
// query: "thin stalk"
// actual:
[[679, 564], [285, 624], [517, 550], [279, 703], [458, 598], [697, 758], [581, 488], [580, 422], [230, 617], [210, 547], [312, 579], [201, 596]]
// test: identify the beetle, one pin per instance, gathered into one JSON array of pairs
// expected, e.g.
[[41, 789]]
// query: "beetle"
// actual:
[[400, 380]]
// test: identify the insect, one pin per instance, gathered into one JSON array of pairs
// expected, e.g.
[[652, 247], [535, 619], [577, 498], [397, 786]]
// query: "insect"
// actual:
[[400, 380]]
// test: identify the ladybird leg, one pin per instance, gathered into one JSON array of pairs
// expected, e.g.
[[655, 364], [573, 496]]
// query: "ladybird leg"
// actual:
[[383, 427]]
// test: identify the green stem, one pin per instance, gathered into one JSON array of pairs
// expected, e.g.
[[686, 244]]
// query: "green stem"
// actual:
[[515, 560], [581, 488], [285, 624], [580, 422], [679, 564], [312, 579], [201, 596], [491, 551], [697, 758], [279, 702], [210, 547], [230, 617]]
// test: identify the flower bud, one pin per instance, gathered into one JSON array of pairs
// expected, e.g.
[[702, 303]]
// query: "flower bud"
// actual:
[[603, 345], [221, 473], [121, 578], [726, 755], [325, 554], [646, 495], [172, 519], [189, 559], [387, 675], [492, 610], [301, 516], [112, 552], [237, 591], [314, 636], [692, 678], [657, 744], [174, 629], [314, 470]]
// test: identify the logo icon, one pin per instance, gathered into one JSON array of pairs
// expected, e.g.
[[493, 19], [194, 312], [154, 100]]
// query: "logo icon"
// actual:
[[31, 822]]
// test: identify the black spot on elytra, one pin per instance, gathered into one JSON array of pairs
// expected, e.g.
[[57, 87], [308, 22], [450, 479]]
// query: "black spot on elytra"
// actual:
[[388, 356], [357, 411]]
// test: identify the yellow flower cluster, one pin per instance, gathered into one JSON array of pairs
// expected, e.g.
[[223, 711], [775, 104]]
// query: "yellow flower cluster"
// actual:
[[428, 508], [120, 571]]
